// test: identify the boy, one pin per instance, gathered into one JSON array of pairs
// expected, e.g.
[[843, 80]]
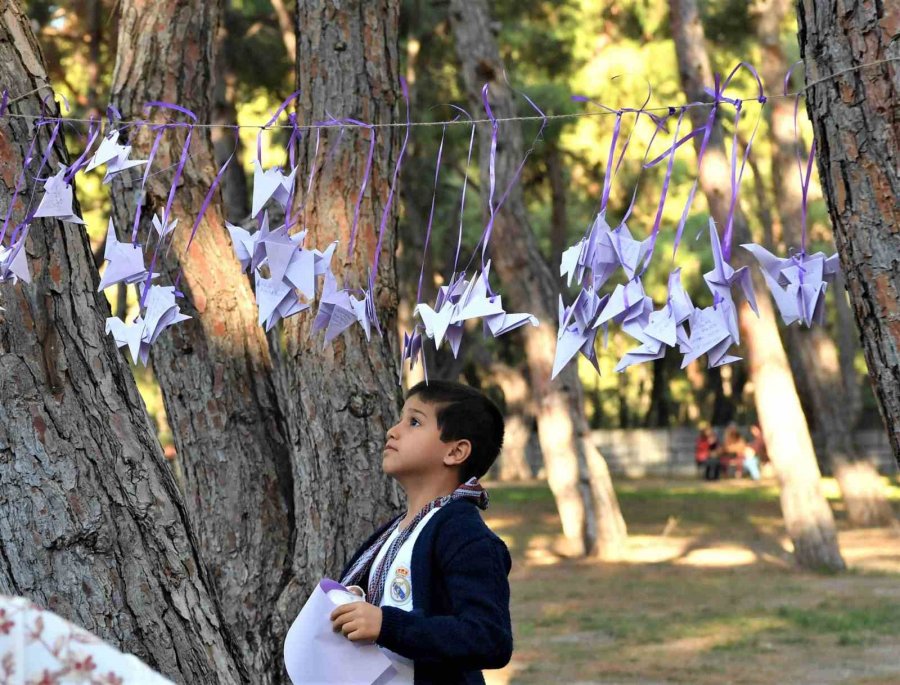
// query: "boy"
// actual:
[[436, 576]]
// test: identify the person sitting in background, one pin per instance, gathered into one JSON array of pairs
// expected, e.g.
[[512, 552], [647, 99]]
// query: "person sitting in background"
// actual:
[[706, 452], [739, 453]]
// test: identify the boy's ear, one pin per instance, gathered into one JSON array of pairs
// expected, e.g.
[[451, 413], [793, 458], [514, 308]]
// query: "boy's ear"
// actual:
[[459, 452]]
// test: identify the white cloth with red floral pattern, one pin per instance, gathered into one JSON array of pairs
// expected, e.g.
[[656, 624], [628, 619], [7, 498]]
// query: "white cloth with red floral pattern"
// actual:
[[37, 647]]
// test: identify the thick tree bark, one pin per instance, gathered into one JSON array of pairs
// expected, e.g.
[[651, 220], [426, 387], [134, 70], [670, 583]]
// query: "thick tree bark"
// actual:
[[91, 523], [856, 121], [214, 370], [512, 464], [345, 394], [807, 515], [860, 483], [577, 473]]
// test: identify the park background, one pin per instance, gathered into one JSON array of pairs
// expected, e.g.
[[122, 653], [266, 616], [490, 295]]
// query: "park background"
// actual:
[[706, 587]]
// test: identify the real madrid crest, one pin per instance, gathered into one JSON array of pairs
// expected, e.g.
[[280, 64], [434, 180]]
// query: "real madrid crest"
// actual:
[[401, 588]]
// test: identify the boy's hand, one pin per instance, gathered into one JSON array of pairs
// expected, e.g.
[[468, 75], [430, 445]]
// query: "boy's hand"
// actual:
[[358, 621]]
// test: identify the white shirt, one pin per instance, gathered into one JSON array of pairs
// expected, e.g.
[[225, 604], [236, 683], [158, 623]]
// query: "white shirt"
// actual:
[[398, 591]]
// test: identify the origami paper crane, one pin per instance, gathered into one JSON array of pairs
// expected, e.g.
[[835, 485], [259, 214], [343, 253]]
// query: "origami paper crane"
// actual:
[[464, 300], [336, 311], [798, 283], [663, 328], [114, 156], [627, 303], [131, 335], [276, 300], [243, 244], [13, 263], [594, 253], [160, 311], [291, 268], [126, 261], [163, 232], [629, 252], [58, 199], [412, 351], [713, 332], [271, 184], [723, 277], [577, 329]]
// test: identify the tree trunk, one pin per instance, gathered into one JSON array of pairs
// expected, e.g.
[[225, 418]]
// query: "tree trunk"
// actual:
[[855, 120], [91, 523], [512, 463], [576, 471], [345, 394], [807, 515], [214, 370], [558, 217], [658, 414], [860, 483], [234, 183]]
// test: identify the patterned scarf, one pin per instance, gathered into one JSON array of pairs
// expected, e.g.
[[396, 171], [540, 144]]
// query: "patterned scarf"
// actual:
[[471, 489]]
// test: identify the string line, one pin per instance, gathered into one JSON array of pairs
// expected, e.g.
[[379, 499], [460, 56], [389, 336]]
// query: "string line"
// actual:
[[457, 121]]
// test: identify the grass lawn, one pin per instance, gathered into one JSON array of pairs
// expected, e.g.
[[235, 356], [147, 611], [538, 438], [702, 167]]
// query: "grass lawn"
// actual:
[[707, 593]]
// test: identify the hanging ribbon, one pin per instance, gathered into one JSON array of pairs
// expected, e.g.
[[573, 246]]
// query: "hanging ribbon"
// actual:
[[737, 176], [493, 208], [293, 142], [206, 202], [462, 201], [385, 214], [654, 233], [804, 179], [437, 172], [179, 169]]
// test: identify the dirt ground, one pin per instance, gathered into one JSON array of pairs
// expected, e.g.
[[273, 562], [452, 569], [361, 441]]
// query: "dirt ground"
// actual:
[[707, 594]]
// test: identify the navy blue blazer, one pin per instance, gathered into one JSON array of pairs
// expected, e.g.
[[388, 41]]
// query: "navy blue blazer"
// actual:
[[460, 619]]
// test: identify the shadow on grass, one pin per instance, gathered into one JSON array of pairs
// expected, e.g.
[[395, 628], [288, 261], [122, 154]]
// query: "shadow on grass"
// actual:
[[707, 592]]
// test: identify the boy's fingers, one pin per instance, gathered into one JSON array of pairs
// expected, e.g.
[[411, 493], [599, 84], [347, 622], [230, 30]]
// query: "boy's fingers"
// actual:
[[349, 627], [341, 621], [341, 610]]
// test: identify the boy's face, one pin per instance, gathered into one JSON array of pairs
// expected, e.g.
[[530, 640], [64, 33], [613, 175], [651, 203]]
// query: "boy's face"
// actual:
[[414, 447]]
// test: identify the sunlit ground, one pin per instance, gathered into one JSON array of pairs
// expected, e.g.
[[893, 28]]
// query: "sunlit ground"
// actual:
[[707, 594]]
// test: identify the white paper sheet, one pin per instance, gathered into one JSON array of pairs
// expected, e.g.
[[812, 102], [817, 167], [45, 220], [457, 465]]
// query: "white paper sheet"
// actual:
[[315, 654]]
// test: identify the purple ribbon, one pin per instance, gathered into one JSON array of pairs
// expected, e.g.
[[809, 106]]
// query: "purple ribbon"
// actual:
[[365, 182], [206, 202], [21, 229], [485, 238], [312, 176], [292, 143], [437, 172], [385, 214], [20, 180], [804, 179], [82, 161], [169, 105], [665, 189], [735, 175], [137, 214], [4, 100], [179, 169], [462, 202]]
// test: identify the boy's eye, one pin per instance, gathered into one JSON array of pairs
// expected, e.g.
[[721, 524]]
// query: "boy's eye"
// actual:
[[414, 422]]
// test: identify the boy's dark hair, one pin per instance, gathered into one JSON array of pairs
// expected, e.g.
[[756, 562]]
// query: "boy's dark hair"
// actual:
[[464, 413]]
